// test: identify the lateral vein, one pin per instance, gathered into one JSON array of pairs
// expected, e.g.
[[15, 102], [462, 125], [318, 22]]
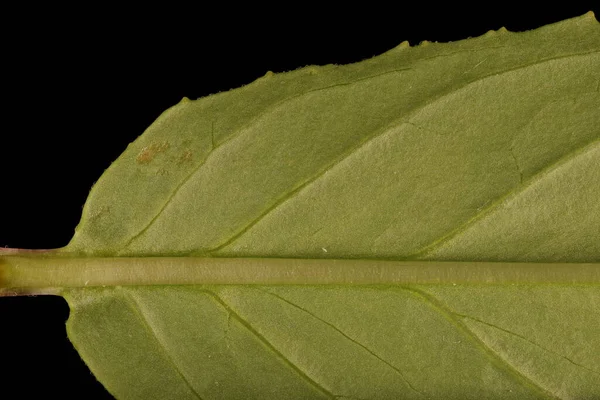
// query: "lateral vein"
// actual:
[[528, 341], [339, 159], [517, 191], [215, 146], [356, 342], [268, 344], [138, 310], [450, 315], [395, 124]]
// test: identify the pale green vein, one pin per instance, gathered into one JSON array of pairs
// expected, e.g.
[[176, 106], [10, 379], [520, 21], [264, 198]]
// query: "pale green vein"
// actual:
[[396, 369], [268, 344], [528, 341], [517, 191], [215, 146], [394, 125], [162, 348], [397, 122], [494, 357]]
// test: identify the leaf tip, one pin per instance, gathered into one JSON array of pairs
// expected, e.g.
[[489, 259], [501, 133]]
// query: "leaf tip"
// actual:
[[185, 100], [403, 45]]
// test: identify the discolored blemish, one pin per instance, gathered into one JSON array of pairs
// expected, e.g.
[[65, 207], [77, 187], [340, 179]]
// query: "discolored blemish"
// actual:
[[148, 153], [102, 211], [185, 157]]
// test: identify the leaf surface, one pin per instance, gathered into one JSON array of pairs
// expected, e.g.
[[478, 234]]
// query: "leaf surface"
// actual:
[[486, 149], [437, 342], [412, 154]]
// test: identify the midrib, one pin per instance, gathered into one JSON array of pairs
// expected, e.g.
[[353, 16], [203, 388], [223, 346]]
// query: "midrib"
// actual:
[[50, 273]]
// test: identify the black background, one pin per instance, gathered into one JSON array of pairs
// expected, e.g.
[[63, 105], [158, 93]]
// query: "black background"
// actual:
[[77, 90]]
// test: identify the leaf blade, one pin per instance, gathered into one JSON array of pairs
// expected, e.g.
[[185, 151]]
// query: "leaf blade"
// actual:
[[485, 107], [419, 334], [260, 178]]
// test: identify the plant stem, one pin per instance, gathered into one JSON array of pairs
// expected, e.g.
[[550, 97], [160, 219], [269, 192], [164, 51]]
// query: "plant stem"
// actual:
[[49, 272]]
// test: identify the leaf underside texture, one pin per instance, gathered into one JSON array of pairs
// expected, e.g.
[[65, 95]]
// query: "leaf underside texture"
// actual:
[[486, 149]]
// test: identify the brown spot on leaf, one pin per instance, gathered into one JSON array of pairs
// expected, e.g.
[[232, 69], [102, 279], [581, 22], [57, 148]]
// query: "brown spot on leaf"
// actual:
[[148, 153], [185, 157]]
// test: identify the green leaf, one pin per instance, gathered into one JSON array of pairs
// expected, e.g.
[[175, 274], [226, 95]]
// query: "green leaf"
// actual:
[[200, 267], [287, 342], [444, 151]]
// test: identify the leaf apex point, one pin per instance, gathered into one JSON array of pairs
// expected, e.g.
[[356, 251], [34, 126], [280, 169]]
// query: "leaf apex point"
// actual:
[[185, 99], [404, 45]]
